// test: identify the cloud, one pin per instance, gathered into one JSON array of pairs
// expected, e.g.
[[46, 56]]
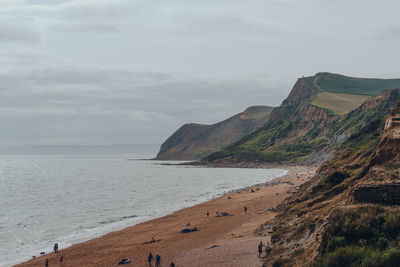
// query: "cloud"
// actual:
[[85, 29], [10, 34], [391, 34], [135, 70]]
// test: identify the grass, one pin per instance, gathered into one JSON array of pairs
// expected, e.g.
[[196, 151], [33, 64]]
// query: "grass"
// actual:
[[361, 236], [335, 83], [339, 103]]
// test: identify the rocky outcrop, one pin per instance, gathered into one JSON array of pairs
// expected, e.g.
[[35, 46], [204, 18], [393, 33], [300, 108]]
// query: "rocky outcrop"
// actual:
[[388, 194]]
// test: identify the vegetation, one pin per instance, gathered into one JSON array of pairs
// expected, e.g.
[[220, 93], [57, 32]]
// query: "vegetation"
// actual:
[[335, 83], [363, 236], [338, 103]]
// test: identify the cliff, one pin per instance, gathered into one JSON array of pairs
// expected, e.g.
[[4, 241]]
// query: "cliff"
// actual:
[[328, 221], [195, 141], [303, 130]]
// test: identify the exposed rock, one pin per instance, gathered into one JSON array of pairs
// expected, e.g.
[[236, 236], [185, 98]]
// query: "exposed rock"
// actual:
[[388, 194]]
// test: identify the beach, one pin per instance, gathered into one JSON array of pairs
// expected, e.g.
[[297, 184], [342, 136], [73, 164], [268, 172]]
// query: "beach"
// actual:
[[220, 240]]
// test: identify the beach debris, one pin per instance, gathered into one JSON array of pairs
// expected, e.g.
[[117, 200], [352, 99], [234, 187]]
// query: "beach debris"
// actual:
[[151, 241], [229, 197], [272, 209], [188, 224], [33, 257], [208, 214], [124, 261], [42, 253], [221, 214], [213, 246], [252, 190], [188, 230]]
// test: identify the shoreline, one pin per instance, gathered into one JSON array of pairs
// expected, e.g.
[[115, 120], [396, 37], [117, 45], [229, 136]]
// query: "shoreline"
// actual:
[[117, 245]]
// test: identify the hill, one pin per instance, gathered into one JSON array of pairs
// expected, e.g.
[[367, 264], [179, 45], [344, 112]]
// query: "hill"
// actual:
[[345, 215], [195, 141], [300, 132]]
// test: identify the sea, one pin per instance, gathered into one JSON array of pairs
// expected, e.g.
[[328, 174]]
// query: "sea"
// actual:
[[71, 198]]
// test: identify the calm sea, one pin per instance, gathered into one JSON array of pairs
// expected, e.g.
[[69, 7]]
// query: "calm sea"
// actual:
[[69, 199]]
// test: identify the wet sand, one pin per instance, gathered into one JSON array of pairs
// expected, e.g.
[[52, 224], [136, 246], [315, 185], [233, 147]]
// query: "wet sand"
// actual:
[[219, 241]]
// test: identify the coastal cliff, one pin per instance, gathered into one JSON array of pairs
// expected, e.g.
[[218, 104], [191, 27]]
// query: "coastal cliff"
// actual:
[[345, 213], [195, 141], [306, 129]]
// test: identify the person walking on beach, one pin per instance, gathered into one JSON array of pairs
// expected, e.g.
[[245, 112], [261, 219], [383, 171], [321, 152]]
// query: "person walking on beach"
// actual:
[[46, 263], [245, 209], [61, 259], [158, 260], [56, 248], [260, 246], [150, 258]]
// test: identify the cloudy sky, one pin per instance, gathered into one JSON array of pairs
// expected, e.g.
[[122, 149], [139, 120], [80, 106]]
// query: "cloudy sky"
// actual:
[[133, 71]]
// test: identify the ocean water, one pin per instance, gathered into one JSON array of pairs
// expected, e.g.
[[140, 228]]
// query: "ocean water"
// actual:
[[70, 199]]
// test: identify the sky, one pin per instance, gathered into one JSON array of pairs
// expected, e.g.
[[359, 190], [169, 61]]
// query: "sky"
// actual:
[[134, 71]]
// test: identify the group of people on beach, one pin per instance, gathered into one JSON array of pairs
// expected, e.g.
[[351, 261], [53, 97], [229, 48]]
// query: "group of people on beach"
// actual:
[[158, 260], [61, 260]]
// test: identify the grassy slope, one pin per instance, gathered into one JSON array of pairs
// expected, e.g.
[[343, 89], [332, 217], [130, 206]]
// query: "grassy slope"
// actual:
[[337, 102], [335, 83]]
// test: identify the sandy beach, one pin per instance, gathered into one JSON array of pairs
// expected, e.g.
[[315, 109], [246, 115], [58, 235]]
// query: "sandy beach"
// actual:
[[220, 241]]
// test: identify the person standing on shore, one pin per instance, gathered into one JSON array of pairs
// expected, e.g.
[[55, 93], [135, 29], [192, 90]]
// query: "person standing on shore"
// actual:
[[46, 263], [158, 260], [56, 248], [245, 209], [260, 246], [150, 258]]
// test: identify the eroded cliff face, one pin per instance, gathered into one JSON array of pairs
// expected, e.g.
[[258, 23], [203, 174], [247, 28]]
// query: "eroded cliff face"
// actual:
[[363, 170], [388, 151], [298, 103], [381, 181], [195, 141]]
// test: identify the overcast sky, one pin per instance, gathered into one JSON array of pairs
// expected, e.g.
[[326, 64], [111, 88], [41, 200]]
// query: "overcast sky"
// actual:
[[133, 71]]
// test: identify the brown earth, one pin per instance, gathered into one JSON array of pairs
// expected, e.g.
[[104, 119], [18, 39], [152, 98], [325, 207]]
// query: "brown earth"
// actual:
[[233, 237]]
